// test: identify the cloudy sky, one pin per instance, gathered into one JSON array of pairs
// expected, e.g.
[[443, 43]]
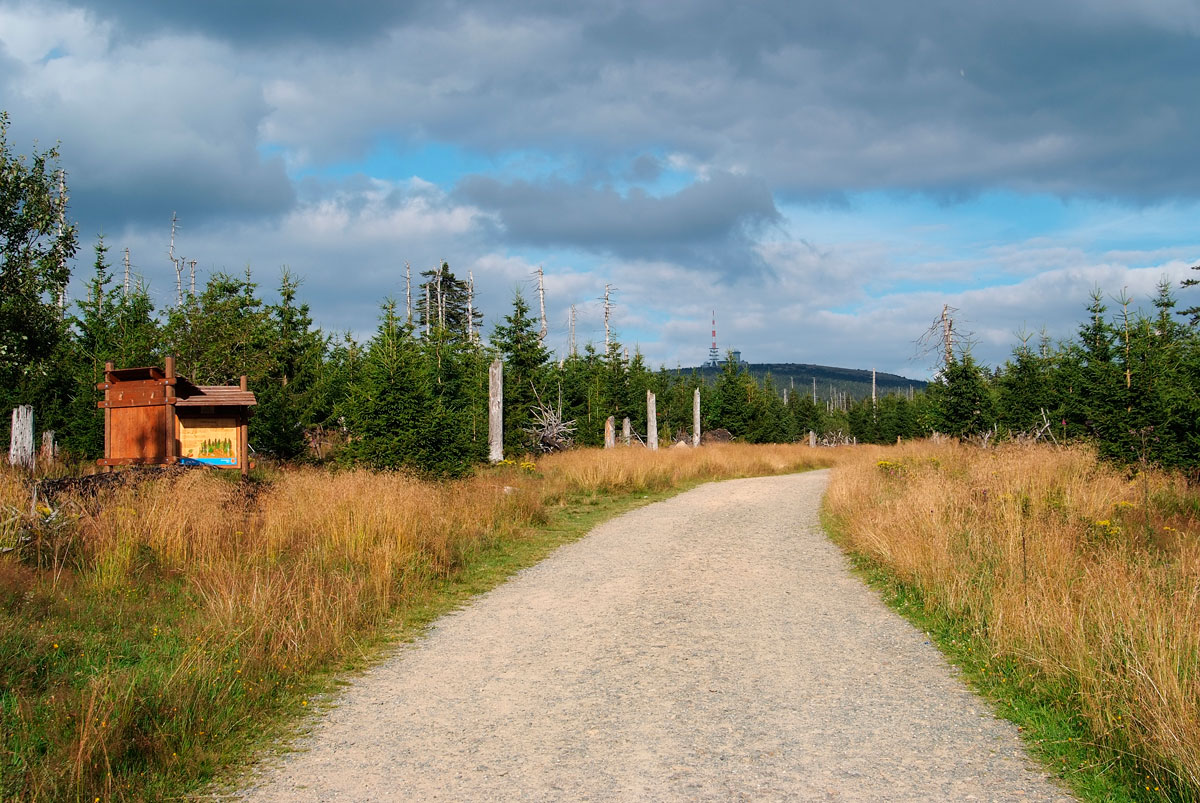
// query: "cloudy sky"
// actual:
[[824, 175]]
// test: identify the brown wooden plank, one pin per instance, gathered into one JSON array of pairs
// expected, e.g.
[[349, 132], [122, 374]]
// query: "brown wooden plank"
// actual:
[[134, 461], [138, 432], [136, 403]]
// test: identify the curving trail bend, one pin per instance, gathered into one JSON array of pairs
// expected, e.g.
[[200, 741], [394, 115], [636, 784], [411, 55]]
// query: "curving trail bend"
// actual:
[[710, 647]]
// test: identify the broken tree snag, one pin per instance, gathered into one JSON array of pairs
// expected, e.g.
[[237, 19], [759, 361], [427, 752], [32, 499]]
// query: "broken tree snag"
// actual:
[[496, 411], [812, 439], [696, 417], [49, 450], [625, 436], [610, 433], [651, 421], [20, 444], [549, 433]]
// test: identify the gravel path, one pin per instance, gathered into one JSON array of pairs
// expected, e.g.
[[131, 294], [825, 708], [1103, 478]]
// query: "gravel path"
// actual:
[[710, 647]]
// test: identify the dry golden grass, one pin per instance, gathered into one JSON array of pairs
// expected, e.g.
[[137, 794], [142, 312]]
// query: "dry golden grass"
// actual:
[[1087, 578], [195, 606]]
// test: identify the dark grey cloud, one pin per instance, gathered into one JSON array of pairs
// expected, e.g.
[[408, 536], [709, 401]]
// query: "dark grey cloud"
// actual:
[[645, 169], [1087, 98], [271, 21], [707, 222], [169, 125], [1083, 97]]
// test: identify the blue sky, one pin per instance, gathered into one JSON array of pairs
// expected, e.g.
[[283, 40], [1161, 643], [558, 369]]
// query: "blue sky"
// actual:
[[824, 176]]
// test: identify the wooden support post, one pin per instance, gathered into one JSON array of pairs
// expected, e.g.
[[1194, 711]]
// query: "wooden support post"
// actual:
[[108, 369], [651, 421], [626, 436], [610, 432], [244, 432], [496, 411], [696, 417], [169, 412]]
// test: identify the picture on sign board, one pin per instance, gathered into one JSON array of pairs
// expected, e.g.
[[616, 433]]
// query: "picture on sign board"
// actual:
[[211, 441]]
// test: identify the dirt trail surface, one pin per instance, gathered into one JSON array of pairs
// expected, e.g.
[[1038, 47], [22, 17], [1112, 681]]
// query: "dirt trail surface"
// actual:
[[710, 647]]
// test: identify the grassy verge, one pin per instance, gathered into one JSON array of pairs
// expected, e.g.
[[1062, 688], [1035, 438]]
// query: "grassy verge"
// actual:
[[1063, 589], [154, 636]]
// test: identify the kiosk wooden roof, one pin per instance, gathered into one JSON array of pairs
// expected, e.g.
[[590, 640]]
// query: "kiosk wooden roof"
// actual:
[[154, 416]]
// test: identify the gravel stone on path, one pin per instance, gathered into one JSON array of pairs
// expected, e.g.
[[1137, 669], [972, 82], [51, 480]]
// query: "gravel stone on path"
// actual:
[[713, 646]]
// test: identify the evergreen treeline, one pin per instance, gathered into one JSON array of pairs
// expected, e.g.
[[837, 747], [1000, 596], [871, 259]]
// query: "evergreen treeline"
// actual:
[[415, 394]]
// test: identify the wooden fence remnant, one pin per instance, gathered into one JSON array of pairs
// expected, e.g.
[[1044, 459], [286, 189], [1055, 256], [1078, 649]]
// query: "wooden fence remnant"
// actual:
[[20, 444], [651, 421], [496, 411]]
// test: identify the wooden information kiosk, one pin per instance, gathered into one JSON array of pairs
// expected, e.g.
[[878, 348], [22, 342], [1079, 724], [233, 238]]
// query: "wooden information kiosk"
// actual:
[[153, 416]]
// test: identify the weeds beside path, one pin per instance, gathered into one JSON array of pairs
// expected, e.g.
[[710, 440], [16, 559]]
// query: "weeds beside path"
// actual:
[[151, 636], [1068, 590]]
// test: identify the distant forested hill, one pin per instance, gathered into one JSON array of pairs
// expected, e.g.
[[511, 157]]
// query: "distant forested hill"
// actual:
[[852, 381]]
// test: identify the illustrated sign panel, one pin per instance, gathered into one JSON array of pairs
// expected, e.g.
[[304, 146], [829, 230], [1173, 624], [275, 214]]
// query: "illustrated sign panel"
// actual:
[[212, 441]]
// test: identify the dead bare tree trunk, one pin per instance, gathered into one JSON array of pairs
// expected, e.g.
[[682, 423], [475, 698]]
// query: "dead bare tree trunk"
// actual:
[[470, 306], [651, 420], [571, 333], [542, 303], [495, 411], [408, 291], [947, 334], [177, 263], [607, 315], [20, 444]]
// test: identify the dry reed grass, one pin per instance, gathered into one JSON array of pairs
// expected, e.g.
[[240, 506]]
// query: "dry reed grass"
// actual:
[[1085, 577], [196, 606]]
